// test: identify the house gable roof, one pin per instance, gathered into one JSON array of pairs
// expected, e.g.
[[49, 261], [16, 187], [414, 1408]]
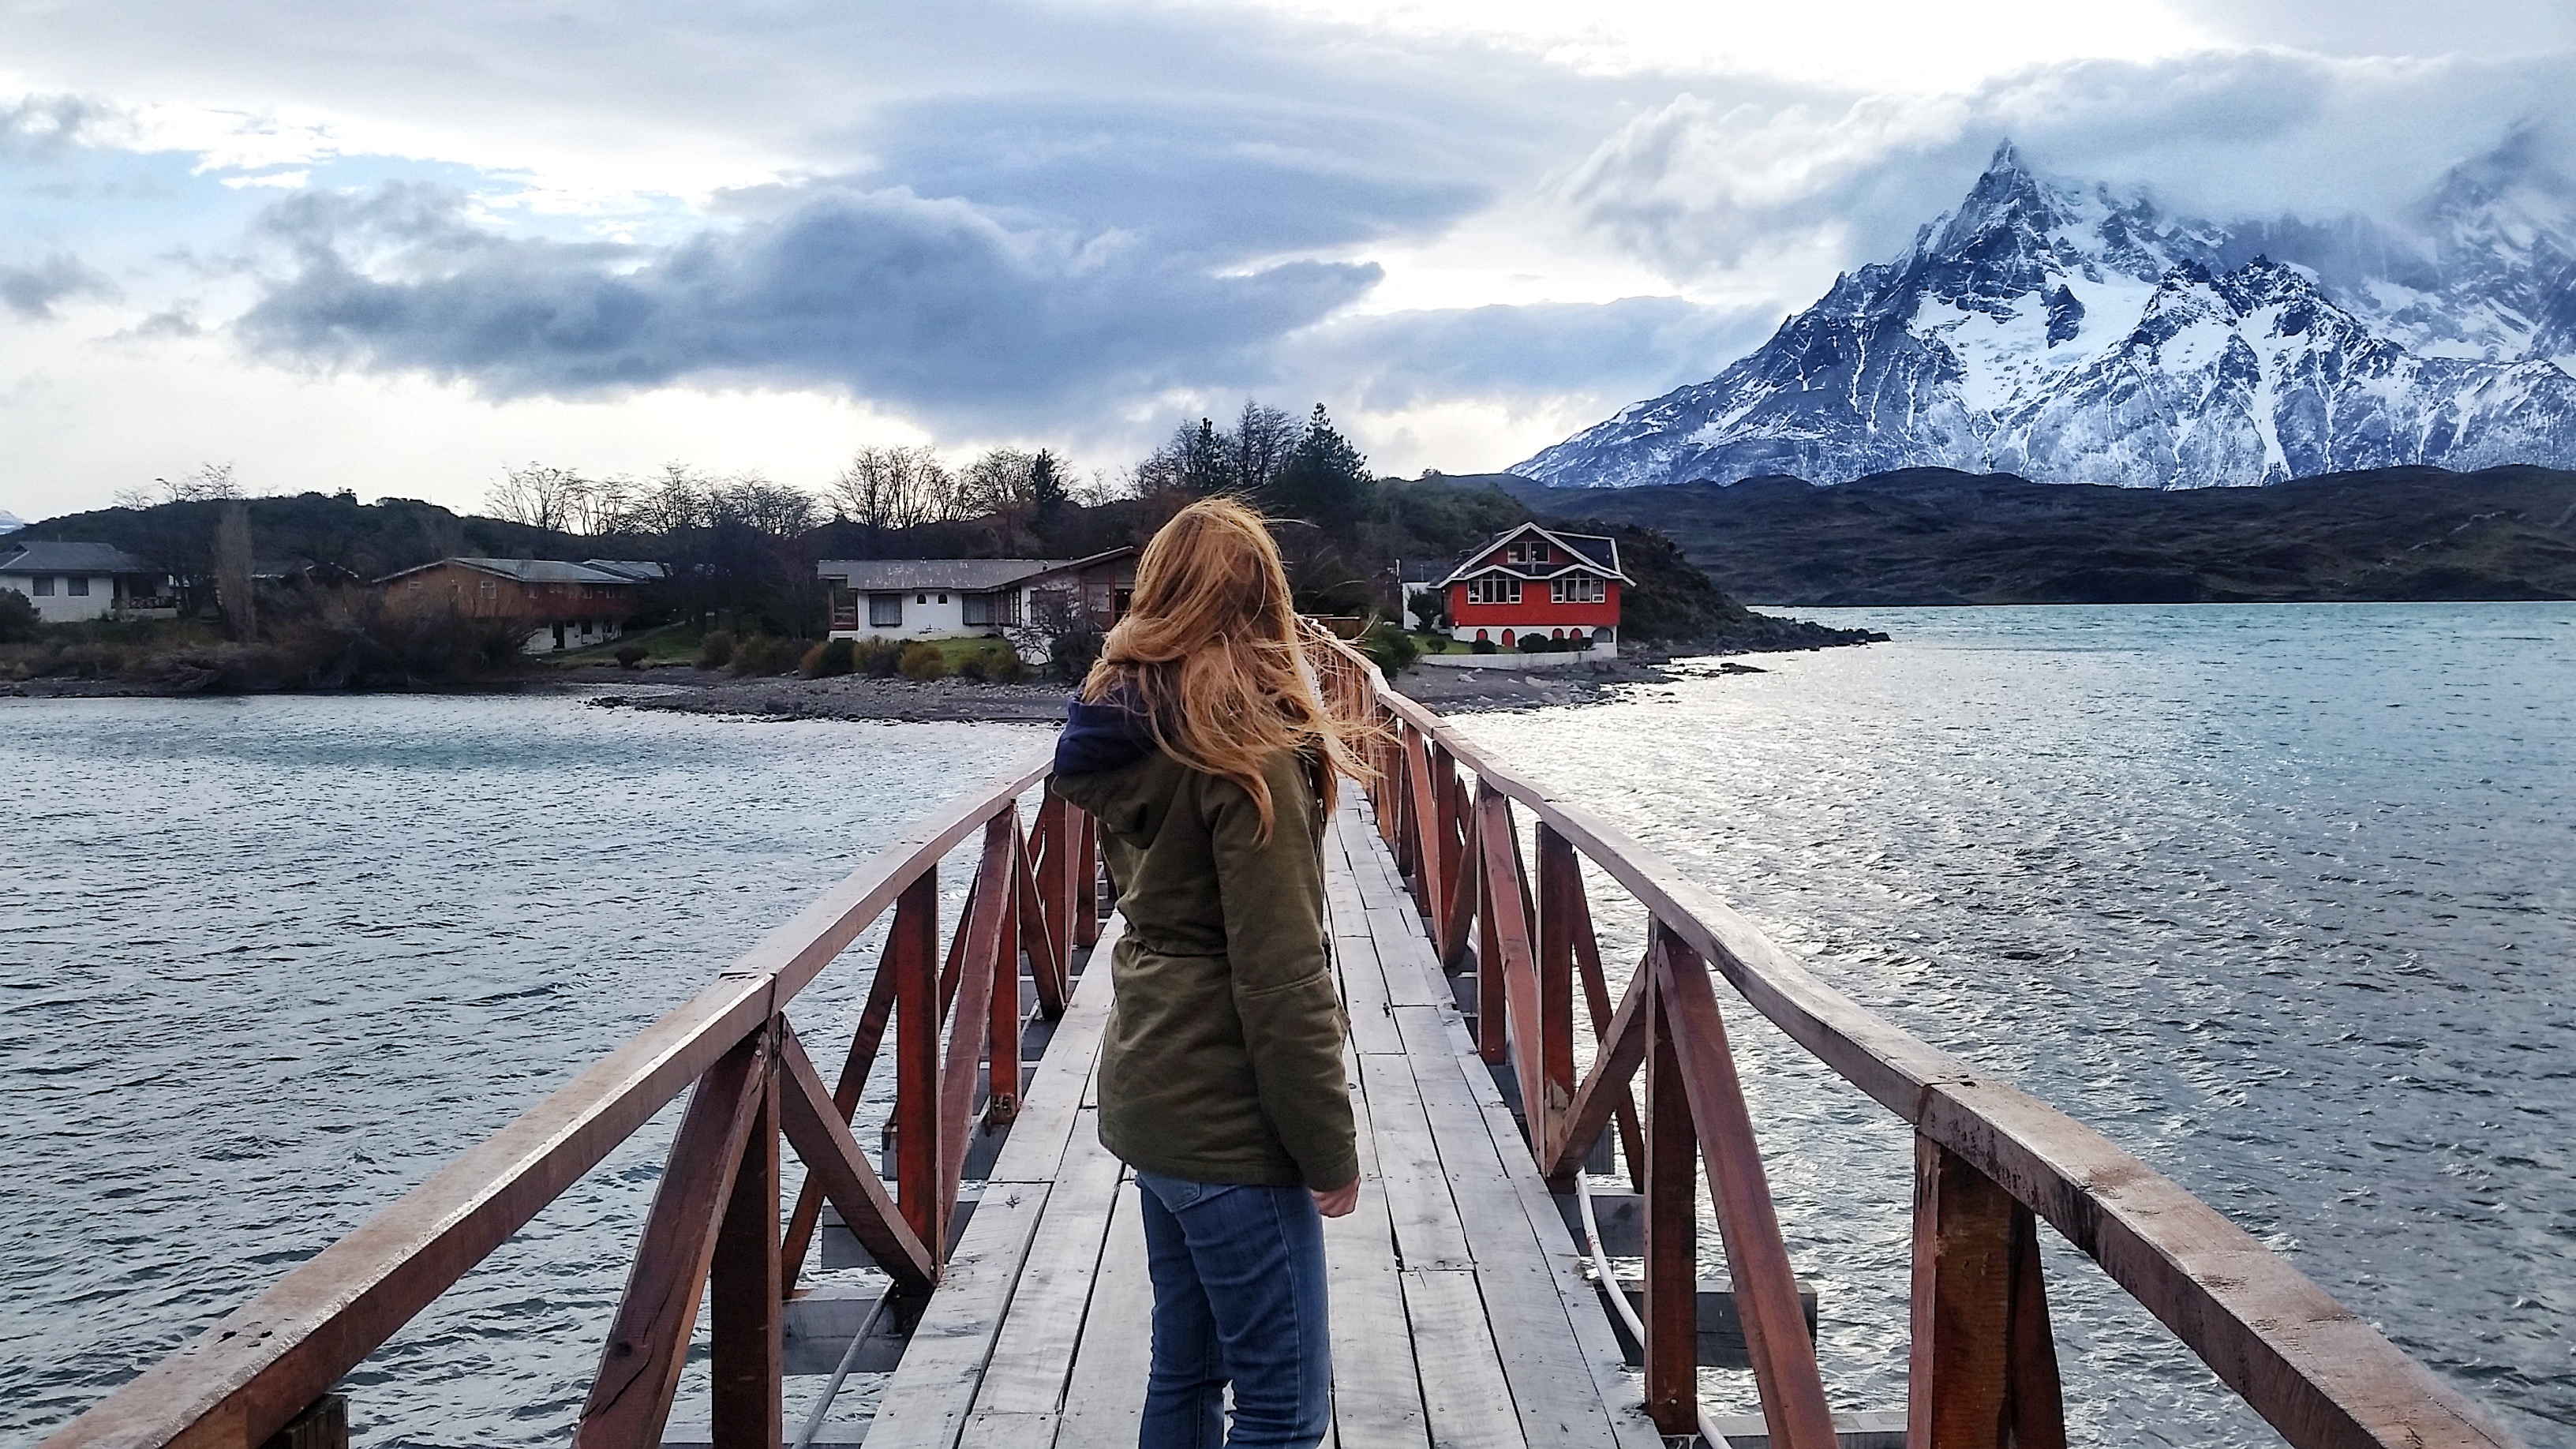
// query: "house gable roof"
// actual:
[[1076, 565], [642, 571], [72, 558], [1591, 553], [525, 570]]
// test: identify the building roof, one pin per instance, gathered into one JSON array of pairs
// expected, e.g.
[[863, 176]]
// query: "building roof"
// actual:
[[642, 571], [1591, 552], [958, 575], [73, 558], [525, 570]]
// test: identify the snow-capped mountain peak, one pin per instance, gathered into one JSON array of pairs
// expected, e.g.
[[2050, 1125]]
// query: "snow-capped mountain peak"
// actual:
[[2086, 335]]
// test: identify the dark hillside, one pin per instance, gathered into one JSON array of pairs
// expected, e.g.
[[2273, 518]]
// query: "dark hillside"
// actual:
[[368, 539], [1933, 536]]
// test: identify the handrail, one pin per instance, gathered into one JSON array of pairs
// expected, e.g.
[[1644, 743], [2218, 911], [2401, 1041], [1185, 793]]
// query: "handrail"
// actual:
[[2320, 1375], [1990, 1159], [245, 1377]]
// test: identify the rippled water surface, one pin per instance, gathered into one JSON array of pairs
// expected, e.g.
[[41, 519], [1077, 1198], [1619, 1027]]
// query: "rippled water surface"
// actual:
[[2282, 899], [267, 965]]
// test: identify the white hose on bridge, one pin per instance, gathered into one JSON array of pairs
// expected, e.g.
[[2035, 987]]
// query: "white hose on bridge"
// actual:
[[849, 1356], [1619, 1300]]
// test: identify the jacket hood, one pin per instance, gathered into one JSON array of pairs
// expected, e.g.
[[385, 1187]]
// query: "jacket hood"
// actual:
[[1096, 760], [1110, 735]]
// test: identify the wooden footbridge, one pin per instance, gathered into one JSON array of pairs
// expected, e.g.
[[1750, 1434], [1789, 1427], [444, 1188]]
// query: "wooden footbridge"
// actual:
[[1475, 1297]]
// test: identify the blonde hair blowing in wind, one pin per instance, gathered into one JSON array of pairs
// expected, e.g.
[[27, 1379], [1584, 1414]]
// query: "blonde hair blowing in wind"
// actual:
[[1211, 655]]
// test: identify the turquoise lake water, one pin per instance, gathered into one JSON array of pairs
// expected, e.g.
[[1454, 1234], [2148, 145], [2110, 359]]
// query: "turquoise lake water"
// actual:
[[2283, 899]]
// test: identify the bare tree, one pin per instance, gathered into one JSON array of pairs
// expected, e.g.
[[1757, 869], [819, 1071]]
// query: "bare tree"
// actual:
[[996, 483], [666, 505], [1259, 446], [889, 488], [780, 510], [209, 481], [601, 506], [1104, 486], [236, 590], [538, 496]]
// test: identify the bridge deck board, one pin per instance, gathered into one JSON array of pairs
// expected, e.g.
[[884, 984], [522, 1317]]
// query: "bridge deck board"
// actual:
[[1459, 1314]]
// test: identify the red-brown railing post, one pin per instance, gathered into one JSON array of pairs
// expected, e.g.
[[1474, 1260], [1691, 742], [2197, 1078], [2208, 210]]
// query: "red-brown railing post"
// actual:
[[1031, 926], [1002, 1015], [1982, 1373], [1497, 911], [1057, 890], [744, 1315], [648, 1343], [1560, 893], [1450, 829], [913, 945], [1086, 875], [1671, 1314], [1422, 831], [1748, 1223]]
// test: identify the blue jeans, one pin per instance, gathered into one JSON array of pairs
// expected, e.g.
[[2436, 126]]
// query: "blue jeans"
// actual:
[[1238, 1296]]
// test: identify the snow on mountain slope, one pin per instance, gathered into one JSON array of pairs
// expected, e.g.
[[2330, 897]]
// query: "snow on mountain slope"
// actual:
[[2088, 337]]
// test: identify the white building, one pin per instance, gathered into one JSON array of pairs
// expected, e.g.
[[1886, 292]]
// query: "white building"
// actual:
[[73, 581], [960, 598]]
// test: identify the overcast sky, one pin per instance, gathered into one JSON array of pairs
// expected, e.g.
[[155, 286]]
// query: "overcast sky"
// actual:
[[397, 248]]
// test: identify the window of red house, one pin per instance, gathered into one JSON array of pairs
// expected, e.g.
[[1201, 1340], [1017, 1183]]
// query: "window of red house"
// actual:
[[1492, 590], [1577, 590]]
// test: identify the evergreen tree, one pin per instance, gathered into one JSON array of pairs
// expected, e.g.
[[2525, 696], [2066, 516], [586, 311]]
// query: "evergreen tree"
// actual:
[[1206, 467], [1047, 492], [1325, 479]]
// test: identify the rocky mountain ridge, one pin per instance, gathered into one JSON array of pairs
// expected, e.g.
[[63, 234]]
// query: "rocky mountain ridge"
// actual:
[[2073, 335]]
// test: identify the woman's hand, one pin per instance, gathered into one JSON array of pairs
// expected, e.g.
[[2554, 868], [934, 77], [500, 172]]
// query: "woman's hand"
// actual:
[[1340, 1201]]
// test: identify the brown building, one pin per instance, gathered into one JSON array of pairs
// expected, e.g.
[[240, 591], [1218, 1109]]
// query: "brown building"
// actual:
[[565, 605]]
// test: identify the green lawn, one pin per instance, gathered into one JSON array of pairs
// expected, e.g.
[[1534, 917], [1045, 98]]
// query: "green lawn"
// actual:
[[663, 644]]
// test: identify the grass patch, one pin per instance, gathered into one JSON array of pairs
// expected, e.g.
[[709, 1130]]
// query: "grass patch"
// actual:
[[664, 644]]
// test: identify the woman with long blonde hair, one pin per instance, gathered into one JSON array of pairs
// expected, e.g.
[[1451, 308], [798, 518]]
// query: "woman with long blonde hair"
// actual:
[[1205, 746]]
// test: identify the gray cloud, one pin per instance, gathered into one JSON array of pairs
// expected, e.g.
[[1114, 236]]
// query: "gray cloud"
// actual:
[[1205, 177], [42, 127], [930, 305], [31, 290]]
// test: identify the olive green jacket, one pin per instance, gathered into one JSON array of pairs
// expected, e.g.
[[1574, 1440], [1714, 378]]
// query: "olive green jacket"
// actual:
[[1223, 1056]]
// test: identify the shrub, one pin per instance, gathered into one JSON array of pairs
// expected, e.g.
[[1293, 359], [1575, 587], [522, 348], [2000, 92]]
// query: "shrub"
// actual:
[[19, 621], [922, 661], [630, 655], [877, 658], [1390, 648], [830, 658], [716, 650], [997, 662], [763, 654], [1481, 646]]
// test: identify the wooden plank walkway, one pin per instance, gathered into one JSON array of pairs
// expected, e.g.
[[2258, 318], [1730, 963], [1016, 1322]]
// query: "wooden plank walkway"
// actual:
[[1460, 1317]]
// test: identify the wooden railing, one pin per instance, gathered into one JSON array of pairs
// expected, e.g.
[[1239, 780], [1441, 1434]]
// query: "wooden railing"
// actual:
[[1989, 1160], [713, 1230]]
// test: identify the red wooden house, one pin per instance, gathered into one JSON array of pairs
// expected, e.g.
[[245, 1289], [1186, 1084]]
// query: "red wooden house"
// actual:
[[1533, 583]]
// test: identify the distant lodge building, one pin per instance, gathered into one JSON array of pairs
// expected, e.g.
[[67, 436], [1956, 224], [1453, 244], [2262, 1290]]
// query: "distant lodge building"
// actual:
[[956, 598], [67, 582], [1533, 583], [565, 605]]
